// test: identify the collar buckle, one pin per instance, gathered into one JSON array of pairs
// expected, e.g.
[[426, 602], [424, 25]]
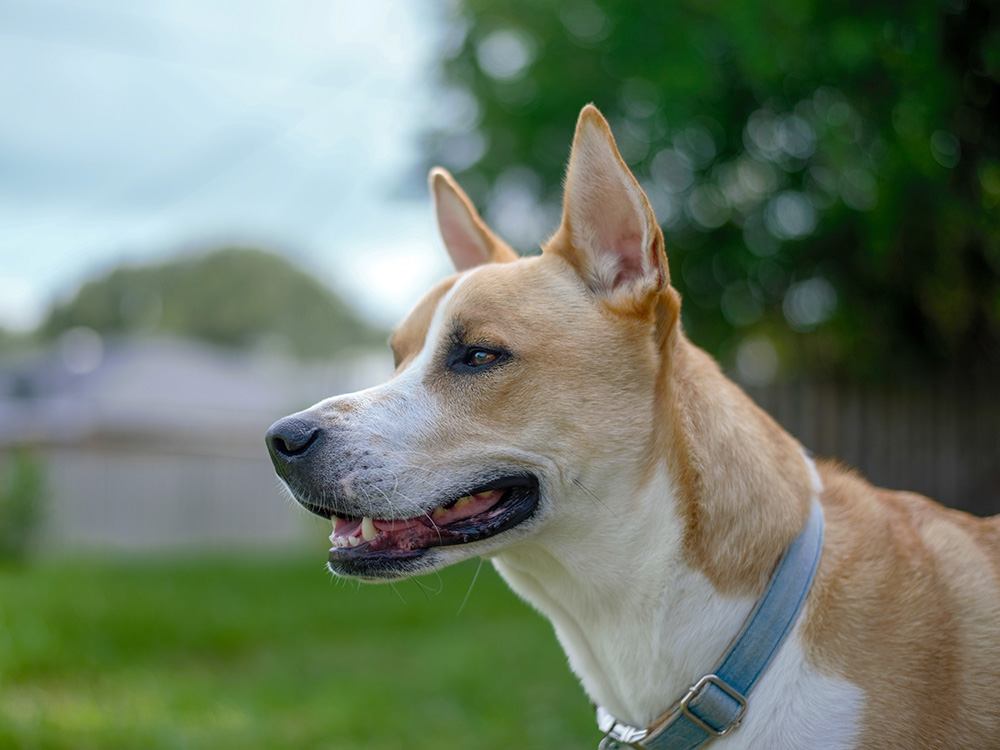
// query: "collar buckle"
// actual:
[[695, 693]]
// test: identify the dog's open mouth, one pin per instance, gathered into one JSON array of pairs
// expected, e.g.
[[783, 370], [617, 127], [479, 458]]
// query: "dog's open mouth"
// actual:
[[361, 543]]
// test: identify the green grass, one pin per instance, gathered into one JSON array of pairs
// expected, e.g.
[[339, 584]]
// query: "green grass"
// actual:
[[270, 653]]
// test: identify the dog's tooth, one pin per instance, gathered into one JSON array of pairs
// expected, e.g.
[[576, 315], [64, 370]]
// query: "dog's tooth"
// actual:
[[438, 512], [463, 501], [368, 530], [353, 541]]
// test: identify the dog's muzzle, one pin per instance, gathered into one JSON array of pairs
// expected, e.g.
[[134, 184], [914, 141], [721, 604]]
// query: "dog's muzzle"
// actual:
[[332, 475]]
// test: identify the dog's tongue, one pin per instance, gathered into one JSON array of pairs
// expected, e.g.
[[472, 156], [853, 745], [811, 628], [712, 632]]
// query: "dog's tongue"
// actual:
[[346, 526], [466, 507], [468, 518], [403, 525]]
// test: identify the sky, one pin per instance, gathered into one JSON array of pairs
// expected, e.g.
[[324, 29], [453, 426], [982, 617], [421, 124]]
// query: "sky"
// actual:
[[132, 131]]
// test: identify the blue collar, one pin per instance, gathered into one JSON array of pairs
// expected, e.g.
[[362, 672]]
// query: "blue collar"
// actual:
[[715, 704]]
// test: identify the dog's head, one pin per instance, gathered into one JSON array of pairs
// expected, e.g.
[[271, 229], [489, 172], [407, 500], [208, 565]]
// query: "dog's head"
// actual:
[[522, 406]]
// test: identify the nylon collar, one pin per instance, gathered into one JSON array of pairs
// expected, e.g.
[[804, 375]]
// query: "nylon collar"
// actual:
[[715, 704]]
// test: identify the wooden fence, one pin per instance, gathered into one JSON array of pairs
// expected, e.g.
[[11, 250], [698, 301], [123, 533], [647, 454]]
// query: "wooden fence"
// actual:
[[942, 440]]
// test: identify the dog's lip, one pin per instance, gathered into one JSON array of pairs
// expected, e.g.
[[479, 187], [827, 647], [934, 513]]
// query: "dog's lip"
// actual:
[[491, 508]]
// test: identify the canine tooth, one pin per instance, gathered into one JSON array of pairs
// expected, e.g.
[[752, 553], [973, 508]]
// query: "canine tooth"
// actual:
[[438, 512], [353, 541], [463, 501], [368, 530]]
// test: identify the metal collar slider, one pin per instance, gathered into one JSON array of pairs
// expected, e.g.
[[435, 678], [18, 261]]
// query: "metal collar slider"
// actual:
[[728, 696]]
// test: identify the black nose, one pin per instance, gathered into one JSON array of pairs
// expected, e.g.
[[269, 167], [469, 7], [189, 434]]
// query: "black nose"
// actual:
[[290, 439]]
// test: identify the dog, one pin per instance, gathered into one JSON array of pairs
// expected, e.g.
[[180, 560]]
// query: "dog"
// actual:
[[549, 414]]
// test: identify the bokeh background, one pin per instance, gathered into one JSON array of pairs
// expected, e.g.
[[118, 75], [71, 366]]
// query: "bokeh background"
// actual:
[[212, 212]]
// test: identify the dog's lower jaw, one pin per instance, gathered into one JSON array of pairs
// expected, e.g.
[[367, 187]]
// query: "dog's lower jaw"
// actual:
[[370, 571], [409, 564]]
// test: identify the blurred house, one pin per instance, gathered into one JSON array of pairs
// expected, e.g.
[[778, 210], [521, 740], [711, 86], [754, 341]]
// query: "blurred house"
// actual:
[[158, 443]]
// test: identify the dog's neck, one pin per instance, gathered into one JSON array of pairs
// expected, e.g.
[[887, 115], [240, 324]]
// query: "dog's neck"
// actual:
[[648, 595]]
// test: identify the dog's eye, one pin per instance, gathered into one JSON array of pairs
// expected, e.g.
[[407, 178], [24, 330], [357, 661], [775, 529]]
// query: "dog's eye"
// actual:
[[479, 357], [468, 358]]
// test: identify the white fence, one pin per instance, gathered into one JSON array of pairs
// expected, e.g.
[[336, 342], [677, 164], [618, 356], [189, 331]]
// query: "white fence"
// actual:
[[135, 498]]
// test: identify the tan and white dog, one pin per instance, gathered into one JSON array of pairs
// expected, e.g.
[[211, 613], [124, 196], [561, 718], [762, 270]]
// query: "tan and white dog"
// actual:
[[548, 413]]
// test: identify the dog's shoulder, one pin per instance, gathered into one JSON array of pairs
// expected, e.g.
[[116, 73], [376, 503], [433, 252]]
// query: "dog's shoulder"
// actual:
[[906, 581], [908, 522]]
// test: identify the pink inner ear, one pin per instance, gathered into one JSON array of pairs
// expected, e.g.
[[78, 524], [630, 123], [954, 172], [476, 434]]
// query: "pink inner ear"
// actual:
[[606, 213], [630, 255], [461, 242]]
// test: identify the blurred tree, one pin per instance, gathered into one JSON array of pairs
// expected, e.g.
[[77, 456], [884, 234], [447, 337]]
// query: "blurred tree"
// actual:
[[234, 296], [14, 340], [8, 340], [827, 175]]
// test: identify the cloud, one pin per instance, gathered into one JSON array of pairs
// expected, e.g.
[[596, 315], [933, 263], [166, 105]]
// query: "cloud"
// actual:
[[129, 132]]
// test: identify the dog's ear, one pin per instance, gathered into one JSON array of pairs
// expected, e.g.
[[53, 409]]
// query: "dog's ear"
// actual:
[[469, 241], [608, 231]]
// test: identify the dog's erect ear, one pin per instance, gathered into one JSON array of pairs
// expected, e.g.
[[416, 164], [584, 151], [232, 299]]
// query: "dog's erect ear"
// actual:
[[469, 241], [608, 232]]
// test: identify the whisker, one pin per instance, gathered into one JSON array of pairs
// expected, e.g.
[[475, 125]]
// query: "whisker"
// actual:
[[468, 593], [425, 588], [596, 499], [392, 585]]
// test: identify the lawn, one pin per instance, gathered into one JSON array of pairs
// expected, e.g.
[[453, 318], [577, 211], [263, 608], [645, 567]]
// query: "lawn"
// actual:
[[269, 652]]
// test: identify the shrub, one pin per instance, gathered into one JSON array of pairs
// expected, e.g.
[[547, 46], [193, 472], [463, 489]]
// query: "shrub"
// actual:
[[22, 502]]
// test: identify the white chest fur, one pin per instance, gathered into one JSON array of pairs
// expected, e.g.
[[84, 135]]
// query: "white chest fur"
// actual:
[[640, 626], [793, 707]]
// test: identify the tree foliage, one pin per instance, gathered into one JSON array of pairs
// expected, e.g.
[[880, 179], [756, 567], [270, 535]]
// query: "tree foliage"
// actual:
[[827, 174], [233, 296]]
